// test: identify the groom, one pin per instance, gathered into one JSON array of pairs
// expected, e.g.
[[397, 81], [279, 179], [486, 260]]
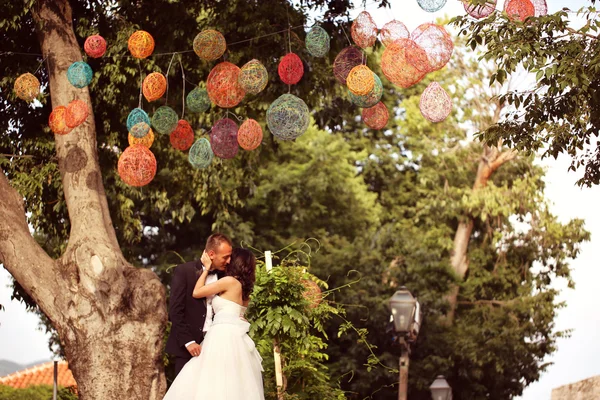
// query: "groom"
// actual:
[[191, 317]]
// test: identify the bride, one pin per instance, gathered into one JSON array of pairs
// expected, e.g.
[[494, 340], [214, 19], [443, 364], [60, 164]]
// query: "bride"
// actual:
[[229, 366]]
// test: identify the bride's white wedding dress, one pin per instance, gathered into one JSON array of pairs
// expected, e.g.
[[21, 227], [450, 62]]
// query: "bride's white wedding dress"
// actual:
[[229, 366]]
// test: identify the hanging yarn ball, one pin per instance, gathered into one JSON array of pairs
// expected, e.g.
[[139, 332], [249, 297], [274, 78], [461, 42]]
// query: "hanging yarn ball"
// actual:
[[253, 77], [312, 293], [541, 8], [27, 87], [436, 42], [95, 46], [347, 59], [197, 100], [393, 31], [223, 138], [137, 165], [146, 140], [201, 154], [209, 45], [317, 42], [370, 99], [223, 87], [77, 113], [80, 74], [404, 63], [431, 5], [360, 80], [480, 10], [376, 117], [58, 121], [250, 135], [164, 120], [140, 44], [139, 130], [435, 103], [519, 9], [364, 30], [135, 116], [290, 69], [154, 86], [182, 137], [288, 117]]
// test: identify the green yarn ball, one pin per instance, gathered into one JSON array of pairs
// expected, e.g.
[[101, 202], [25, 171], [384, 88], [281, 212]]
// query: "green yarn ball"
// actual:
[[370, 99], [317, 42], [288, 117], [201, 154], [197, 100], [164, 120]]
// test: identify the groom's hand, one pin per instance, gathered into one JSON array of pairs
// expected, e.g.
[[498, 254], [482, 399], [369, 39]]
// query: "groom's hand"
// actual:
[[194, 349]]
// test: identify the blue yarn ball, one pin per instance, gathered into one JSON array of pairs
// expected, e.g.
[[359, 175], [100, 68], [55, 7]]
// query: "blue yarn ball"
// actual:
[[135, 116], [80, 74]]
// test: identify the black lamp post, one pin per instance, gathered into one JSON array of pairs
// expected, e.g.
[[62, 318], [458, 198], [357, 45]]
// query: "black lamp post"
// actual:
[[406, 316], [440, 390]]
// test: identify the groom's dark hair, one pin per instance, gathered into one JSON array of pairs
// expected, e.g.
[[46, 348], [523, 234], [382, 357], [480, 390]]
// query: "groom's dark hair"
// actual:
[[214, 241]]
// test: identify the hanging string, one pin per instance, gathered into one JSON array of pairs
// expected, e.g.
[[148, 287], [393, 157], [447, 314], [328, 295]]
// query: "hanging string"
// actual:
[[346, 34], [141, 83], [40, 65], [183, 94], [167, 76]]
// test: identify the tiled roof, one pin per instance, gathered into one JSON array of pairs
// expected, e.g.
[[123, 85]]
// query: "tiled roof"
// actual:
[[42, 374]]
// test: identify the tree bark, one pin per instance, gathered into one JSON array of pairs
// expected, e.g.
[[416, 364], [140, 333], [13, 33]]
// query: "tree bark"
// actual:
[[109, 315]]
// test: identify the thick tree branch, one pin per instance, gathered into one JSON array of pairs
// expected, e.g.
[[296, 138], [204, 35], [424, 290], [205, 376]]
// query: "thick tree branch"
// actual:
[[26, 261]]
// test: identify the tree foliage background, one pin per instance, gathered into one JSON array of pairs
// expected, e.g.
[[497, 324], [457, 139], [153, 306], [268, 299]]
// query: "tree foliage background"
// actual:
[[385, 204]]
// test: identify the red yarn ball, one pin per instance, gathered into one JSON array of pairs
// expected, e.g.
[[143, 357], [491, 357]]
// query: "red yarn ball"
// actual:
[[137, 165], [95, 46], [182, 138], [223, 87], [250, 135], [519, 9], [223, 138], [77, 113], [376, 117], [436, 42], [347, 59], [290, 69], [58, 121]]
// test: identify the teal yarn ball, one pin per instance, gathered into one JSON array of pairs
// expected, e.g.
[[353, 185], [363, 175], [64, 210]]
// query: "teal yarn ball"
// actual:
[[165, 120], [370, 99], [288, 117], [136, 116], [201, 154], [80, 74], [317, 42], [197, 101]]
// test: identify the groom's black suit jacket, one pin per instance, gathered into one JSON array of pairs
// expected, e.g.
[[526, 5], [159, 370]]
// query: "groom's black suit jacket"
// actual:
[[186, 313]]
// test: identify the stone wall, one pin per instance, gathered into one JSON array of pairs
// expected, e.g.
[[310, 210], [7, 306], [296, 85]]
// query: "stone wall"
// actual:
[[587, 389]]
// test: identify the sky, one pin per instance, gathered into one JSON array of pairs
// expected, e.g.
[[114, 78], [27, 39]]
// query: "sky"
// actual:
[[577, 357]]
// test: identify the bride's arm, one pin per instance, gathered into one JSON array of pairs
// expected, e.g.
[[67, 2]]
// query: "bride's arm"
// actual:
[[203, 290]]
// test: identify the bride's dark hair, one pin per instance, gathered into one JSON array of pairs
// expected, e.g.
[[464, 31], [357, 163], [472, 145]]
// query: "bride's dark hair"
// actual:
[[243, 267]]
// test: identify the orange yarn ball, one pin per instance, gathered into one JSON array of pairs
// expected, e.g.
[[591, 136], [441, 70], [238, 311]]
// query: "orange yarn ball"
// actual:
[[58, 121], [376, 117], [209, 45], [145, 141], [27, 87], [137, 165], [290, 69], [182, 138], [404, 63], [360, 80], [250, 135], [223, 87], [364, 30], [77, 113], [95, 46], [519, 9], [154, 86], [141, 44]]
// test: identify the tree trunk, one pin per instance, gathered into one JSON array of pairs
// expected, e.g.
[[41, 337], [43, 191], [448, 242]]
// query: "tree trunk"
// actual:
[[109, 315], [490, 161]]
